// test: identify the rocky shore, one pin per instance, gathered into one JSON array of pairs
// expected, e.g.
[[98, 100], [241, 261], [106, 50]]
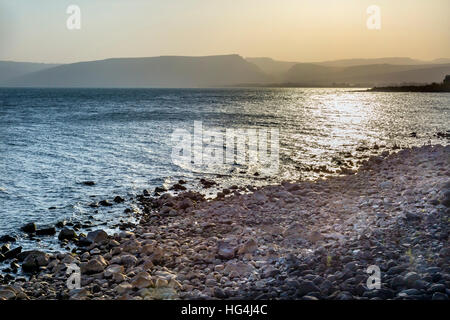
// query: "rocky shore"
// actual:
[[298, 240]]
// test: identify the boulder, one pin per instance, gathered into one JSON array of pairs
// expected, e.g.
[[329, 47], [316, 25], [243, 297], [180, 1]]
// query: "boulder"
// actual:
[[67, 234], [97, 236], [11, 254], [105, 203], [34, 260], [119, 199], [7, 238], [29, 228], [46, 231], [96, 265]]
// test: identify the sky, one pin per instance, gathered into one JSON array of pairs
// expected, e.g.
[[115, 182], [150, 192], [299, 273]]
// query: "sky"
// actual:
[[290, 30]]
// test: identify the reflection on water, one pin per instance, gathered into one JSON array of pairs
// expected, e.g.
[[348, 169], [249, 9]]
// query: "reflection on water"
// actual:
[[51, 140]]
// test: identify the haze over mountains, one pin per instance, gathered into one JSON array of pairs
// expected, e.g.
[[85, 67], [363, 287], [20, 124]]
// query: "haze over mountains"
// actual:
[[222, 70]]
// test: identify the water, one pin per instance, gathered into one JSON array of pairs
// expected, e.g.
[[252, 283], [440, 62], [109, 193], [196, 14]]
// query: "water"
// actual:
[[52, 140]]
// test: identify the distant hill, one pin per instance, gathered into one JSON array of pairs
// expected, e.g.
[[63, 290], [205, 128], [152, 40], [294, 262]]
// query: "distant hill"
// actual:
[[221, 71], [271, 66], [164, 71], [374, 74], [10, 70], [361, 62]]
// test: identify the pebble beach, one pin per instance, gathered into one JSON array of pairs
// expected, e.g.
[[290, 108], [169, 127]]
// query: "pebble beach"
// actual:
[[297, 240]]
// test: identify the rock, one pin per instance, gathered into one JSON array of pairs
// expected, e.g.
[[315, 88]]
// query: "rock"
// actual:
[[79, 294], [29, 228], [123, 288], [7, 238], [439, 296], [112, 269], [46, 231], [88, 183], [351, 266], [315, 236], [160, 190], [408, 293], [34, 260], [7, 293], [5, 248], [306, 287], [83, 242], [67, 234], [412, 216], [128, 260], [119, 199], [11, 254], [225, 250], [105, 203], [142, 280], [386, 185], [410, 278], [95, 265], [437, 287], [97, 236], [207, 183], [249, 246], [178, 187], [239, 269], [219, 293], [186, 203]]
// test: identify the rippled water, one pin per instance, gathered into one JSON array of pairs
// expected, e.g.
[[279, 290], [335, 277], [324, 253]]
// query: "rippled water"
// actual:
[[52, 140]]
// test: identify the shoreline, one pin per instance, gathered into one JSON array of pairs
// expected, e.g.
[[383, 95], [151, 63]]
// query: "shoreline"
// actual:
[[304, 240]]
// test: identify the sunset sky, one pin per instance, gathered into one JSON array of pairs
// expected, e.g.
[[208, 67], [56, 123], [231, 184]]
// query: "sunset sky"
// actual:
[[293, 30]]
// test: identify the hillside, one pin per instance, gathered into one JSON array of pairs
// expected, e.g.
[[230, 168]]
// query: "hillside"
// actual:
[[10, 70], [164, 71]]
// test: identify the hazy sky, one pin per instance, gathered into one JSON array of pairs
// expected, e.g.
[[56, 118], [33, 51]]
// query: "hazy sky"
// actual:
[[295, 30]]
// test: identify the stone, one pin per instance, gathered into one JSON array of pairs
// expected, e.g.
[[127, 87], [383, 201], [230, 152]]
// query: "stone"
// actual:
[[119, 199], [123, 288], [410, 278], [95, 265], [437, 287], [128, 260], [7, 238], [112, 269], [11, 254], [306, 287], [105, 203], [219, 293], [249, 246], [29, 228], [46, 231], [439, 296], [34, 260], [142, 280], [7, 293], [97, 236], [225, 250], [67, 234]]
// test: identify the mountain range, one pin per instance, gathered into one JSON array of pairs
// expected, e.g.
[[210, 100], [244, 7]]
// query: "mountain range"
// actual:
[[220, 71]]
